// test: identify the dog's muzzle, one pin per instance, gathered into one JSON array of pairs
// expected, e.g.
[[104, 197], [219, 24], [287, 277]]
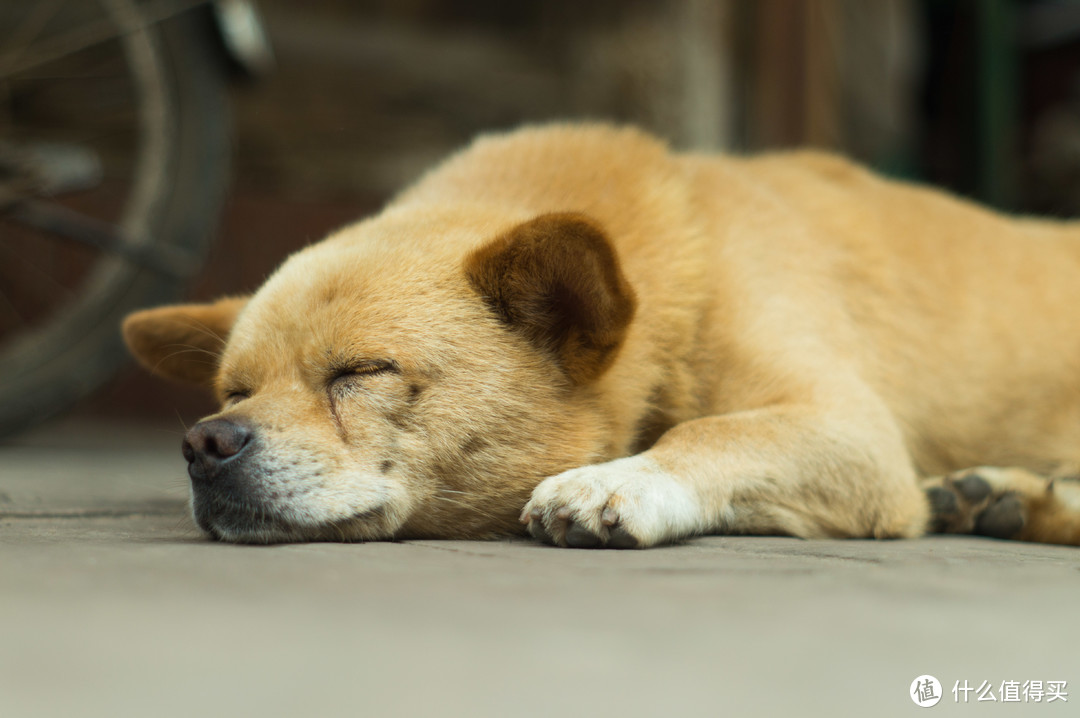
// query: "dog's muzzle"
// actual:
[[234, 495], [225, 497]]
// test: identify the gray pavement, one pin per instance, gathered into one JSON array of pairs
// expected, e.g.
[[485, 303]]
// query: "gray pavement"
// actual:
[[114, 605]]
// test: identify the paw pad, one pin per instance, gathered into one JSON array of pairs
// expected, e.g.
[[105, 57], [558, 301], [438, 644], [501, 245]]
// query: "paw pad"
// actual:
[[577, 536], [619, 537], [967, 503], [972, 487], [943, 505], [1003, 518]]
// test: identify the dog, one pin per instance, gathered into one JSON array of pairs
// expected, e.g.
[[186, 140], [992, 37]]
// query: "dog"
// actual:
[[571, 332]]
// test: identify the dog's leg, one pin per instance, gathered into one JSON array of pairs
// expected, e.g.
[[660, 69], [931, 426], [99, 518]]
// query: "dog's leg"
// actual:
[[1006, 503], [781, 470]]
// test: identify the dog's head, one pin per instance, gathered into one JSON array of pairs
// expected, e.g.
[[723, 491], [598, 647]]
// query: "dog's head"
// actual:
[[410, 376]]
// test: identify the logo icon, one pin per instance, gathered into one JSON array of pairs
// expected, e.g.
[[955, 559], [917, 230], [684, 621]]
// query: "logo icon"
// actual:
[[925, 691]]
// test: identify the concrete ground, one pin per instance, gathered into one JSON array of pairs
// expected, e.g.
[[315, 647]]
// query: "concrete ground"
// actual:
[[113, 604]]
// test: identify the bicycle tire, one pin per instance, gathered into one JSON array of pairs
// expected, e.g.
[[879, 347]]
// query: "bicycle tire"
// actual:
[[81, 347]]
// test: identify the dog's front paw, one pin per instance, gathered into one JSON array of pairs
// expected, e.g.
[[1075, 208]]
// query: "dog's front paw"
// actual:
[[626, 503]]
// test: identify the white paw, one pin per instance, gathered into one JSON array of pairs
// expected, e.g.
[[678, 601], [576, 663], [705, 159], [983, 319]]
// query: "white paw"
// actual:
[[626, 503]]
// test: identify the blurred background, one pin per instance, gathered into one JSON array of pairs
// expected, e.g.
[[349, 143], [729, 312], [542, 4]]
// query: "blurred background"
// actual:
[[980, 96]]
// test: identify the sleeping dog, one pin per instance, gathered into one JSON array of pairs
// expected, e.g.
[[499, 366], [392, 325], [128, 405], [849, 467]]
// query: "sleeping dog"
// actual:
[[572, 332]]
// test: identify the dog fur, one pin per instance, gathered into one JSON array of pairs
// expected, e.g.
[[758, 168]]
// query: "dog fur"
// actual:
[[572, 331]]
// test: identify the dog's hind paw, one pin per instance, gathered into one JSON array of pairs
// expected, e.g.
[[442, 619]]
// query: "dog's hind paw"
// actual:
[[1005, 503], [626, 503]]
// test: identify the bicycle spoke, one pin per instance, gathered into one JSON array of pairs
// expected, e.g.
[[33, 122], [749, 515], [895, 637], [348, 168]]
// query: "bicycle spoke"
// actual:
[[93, 33], [58, 220], [88, 74], [27, 32]]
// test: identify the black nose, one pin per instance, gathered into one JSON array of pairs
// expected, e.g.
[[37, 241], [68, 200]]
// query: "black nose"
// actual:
[[210, 444]]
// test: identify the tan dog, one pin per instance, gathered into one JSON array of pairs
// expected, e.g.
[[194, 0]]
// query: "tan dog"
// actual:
[[619, 346]]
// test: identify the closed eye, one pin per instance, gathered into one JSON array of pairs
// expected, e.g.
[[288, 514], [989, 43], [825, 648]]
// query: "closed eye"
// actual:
[[234, 395], [364, 369]]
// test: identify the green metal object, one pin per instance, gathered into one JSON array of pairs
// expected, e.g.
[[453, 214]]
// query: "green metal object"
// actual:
[[998, 98]]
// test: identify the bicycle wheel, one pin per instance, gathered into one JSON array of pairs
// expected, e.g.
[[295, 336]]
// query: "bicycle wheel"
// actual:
[[114, 132]]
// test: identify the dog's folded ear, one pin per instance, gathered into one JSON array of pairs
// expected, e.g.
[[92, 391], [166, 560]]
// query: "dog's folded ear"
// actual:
[[182, 341], [556, 280]]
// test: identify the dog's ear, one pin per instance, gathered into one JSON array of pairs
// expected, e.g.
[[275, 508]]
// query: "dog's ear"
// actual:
[[182, 341], [556, 280]]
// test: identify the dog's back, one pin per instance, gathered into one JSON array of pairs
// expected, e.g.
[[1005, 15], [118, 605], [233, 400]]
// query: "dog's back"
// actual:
[[965, 321]]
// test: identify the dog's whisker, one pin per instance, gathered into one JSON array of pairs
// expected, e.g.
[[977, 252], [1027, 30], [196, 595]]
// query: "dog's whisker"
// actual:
[[205, 329], [183, 423]]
